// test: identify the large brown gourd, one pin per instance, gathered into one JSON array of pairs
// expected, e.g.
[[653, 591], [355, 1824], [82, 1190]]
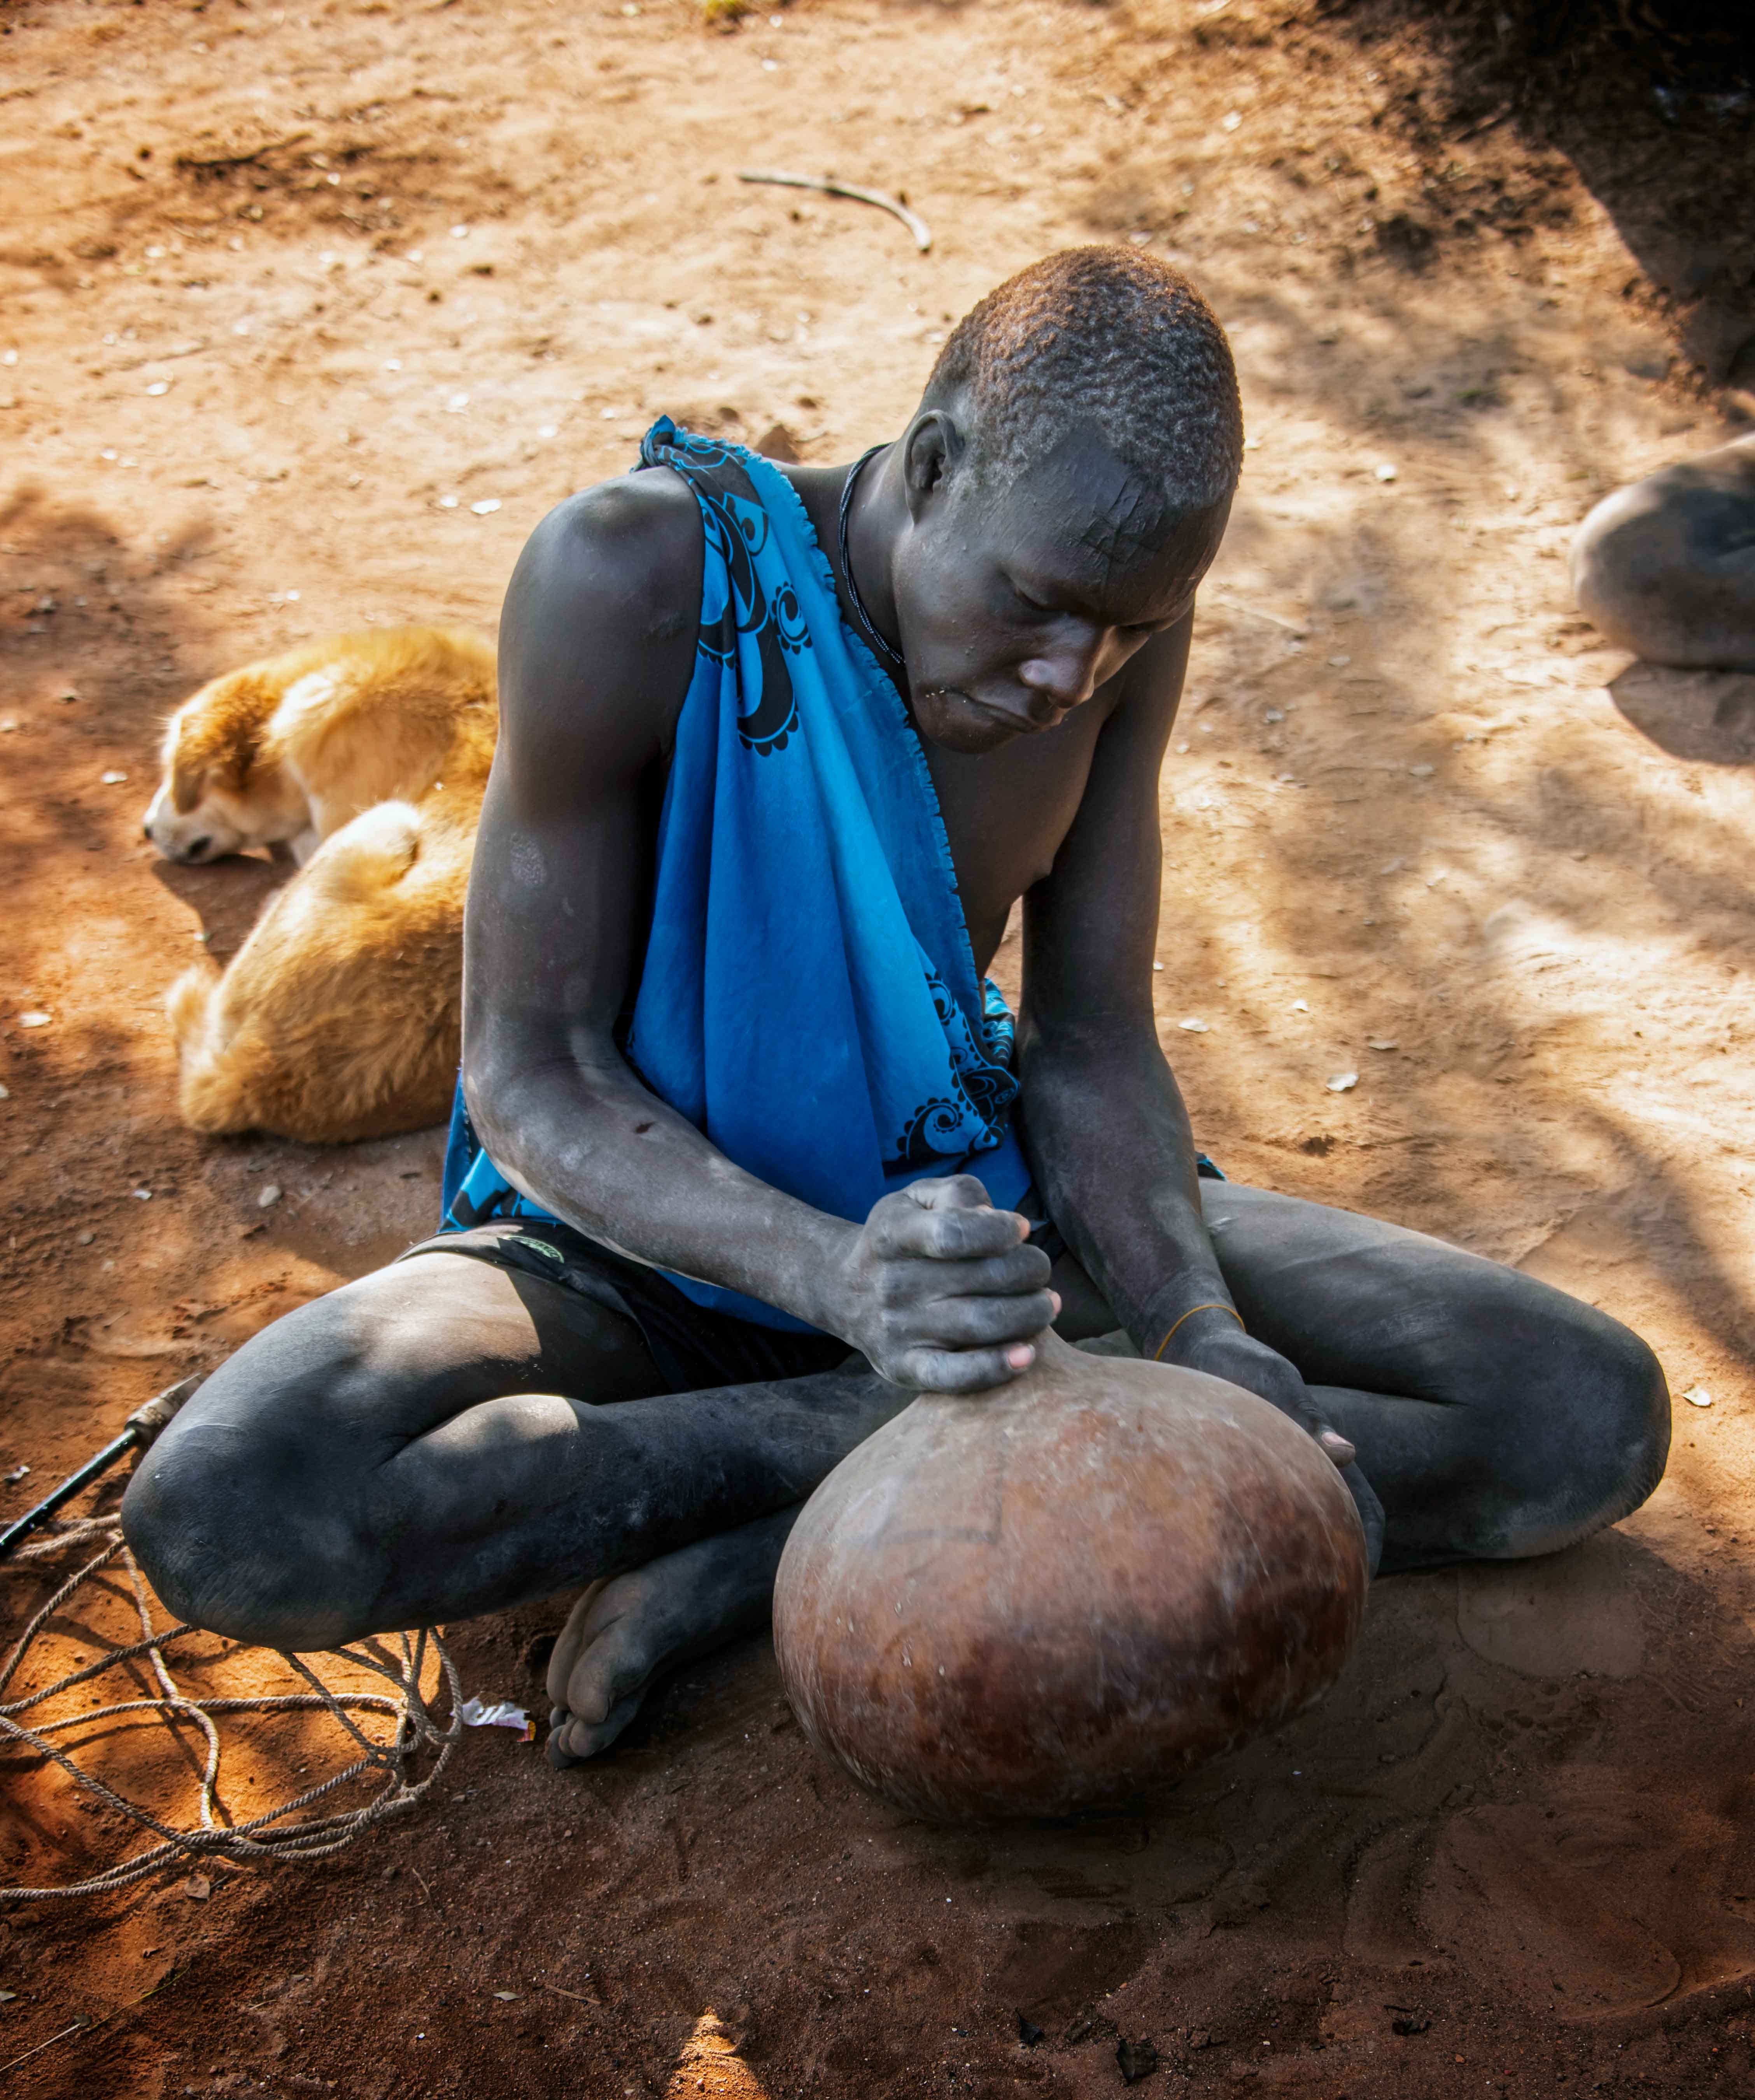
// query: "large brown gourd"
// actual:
[[1064, 1592]]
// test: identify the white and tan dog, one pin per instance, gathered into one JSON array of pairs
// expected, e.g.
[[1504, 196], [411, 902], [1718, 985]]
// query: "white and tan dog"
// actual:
[[365, 755]]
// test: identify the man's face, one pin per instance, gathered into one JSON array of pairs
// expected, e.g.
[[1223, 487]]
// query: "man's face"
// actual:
[[1016, 602]]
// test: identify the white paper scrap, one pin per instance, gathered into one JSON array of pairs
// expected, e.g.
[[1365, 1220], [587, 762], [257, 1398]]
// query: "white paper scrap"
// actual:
[[495, 1714]]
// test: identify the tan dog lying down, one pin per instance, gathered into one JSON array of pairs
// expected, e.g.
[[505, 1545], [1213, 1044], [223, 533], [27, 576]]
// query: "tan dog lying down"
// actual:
[[366, 755]]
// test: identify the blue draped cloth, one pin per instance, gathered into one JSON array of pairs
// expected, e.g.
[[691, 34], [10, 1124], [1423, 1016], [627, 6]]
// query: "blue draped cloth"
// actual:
[[809, 998]]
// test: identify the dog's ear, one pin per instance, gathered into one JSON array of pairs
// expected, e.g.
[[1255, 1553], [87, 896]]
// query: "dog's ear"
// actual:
[[216, 741], [195, 765], [185, 773]]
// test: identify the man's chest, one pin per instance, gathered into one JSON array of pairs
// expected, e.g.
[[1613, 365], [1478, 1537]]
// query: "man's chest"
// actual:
[[1007, 814]]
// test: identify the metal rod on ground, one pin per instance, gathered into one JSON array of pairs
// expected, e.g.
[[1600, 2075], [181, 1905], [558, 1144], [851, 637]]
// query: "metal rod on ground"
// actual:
[[143, 1425], [828, 187]]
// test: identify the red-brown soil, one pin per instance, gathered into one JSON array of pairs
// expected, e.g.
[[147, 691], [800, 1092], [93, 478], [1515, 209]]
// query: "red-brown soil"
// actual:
[[1413, 803]]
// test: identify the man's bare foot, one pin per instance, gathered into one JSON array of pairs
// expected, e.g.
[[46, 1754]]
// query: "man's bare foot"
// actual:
[[621, 1633]]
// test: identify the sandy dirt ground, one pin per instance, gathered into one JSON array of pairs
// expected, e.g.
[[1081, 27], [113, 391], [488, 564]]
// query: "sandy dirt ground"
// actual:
[[309, 313]]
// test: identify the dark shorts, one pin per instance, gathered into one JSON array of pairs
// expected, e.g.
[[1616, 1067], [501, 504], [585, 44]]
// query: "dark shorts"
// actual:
[[693, 1348]]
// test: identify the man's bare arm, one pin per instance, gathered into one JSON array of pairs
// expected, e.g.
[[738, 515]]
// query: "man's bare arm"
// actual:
[[1107, 1136], [596, 649], [1104, 1126]]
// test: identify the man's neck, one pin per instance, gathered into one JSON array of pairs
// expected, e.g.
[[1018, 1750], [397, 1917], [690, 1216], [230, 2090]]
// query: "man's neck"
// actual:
[[878, 515], [876, 522]]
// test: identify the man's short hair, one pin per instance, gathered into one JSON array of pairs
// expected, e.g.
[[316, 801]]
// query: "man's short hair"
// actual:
[[1112, 338]]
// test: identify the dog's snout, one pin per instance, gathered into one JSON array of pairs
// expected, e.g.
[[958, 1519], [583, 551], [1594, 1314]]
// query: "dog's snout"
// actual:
[[196, 848]]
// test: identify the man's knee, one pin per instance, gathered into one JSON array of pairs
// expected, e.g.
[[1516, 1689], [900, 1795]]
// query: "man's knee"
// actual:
[[243, 1516], [1590, 1444]]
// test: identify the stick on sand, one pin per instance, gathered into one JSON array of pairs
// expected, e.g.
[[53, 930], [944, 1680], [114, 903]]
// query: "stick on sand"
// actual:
[[917, 226]]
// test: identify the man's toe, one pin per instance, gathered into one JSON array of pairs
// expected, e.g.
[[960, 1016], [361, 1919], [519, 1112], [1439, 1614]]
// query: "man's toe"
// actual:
[[578, 1741], [570, 1643], [616, 1665], [559, 1747]]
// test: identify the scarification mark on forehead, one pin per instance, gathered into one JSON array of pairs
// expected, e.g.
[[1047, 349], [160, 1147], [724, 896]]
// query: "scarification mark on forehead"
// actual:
[[1081, 529], [1106, 510], [1127, 526]]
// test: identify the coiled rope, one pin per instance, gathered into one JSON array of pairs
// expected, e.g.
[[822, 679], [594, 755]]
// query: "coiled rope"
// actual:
[[414, 1729]]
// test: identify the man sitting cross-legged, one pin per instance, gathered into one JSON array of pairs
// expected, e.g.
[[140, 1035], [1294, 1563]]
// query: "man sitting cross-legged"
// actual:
[[744, 1151]]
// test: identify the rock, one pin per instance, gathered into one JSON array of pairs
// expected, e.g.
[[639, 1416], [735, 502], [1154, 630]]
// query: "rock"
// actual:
[[778, 442], [1137, 2060]]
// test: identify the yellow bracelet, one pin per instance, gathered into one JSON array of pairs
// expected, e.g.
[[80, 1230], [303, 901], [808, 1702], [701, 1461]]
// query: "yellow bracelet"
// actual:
[[1215, 1305]]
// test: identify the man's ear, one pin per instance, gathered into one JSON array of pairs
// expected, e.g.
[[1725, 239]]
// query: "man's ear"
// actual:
[[930, 450]]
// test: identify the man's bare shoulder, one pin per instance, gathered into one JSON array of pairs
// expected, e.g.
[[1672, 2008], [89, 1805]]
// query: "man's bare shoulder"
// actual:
[[631, 544], [596, 641]]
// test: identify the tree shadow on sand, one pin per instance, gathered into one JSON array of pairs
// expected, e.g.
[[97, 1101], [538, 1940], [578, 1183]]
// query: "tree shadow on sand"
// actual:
[[1708, 716], [1651, 106]]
